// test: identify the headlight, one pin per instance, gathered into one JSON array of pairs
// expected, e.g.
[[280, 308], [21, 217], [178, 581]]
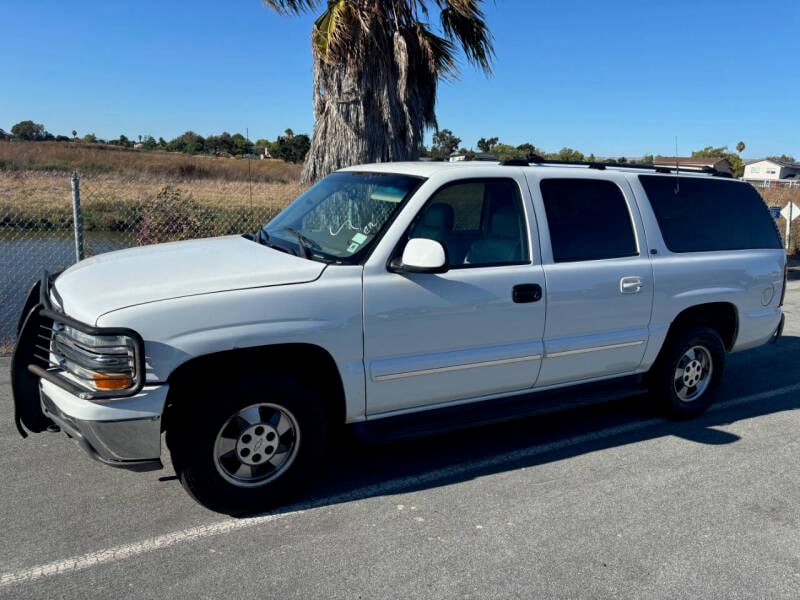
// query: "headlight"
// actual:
[[99, 363]]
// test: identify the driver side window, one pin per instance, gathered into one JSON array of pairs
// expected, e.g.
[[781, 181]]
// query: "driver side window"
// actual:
[[479, 222]]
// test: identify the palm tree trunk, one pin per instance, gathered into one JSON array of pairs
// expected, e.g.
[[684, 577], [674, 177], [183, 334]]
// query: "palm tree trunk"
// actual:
[[374, 111]]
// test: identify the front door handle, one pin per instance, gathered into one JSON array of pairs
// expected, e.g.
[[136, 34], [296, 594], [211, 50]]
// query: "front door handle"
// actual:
[[527, 292], [630, 285]]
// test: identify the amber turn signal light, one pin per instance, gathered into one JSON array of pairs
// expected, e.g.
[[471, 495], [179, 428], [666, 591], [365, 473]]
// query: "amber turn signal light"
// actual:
[[111, 382]]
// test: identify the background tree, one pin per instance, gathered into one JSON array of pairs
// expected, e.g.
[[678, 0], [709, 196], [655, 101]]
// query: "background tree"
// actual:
[[220, 144], [568, 154], [261, 145], [189, 142], [122, 140], [149, 143], [786, 158], [737, 165], [4, 135], [740, 147], [290, 147], [444, 143], [29, 131], [376, 69], [241, 145], [527, 148], [487, 145], [507, 151]]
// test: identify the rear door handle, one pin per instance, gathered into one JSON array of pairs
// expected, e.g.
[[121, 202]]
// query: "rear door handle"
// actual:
[[630, 285], [527, 292]]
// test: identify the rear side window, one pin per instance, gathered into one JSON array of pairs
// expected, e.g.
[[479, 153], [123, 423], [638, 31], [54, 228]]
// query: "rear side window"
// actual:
[[697, 215], [588, 220]]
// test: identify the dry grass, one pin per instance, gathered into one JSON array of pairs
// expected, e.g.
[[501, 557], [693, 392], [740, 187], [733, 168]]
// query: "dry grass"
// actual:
[[118, 184], [139, 165], [31, 200], [780, 196]]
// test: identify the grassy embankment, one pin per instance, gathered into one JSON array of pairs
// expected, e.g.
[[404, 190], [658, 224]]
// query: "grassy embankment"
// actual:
[[120, 188]]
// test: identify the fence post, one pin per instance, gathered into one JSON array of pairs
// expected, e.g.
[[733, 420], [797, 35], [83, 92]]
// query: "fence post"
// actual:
[[77, 216]]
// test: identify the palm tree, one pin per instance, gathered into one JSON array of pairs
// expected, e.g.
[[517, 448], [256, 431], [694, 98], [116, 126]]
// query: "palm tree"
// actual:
[[377, 64]]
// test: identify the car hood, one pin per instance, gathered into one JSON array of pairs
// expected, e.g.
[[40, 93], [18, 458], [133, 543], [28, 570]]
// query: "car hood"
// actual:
[[108, 282]]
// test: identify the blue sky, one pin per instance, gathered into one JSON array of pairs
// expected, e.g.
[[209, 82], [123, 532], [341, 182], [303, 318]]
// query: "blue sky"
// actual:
[[611, 78]]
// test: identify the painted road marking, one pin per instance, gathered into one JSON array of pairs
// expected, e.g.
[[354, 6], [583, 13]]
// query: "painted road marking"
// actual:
[[118, 553]]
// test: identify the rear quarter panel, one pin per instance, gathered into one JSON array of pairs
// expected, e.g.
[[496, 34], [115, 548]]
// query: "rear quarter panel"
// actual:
[[751, 280]]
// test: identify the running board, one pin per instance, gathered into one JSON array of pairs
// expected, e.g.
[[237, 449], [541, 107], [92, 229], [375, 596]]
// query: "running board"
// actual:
[[454, 418]]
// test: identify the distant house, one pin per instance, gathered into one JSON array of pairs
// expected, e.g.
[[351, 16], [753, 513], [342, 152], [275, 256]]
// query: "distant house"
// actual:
[[686, 163], [771, 170]]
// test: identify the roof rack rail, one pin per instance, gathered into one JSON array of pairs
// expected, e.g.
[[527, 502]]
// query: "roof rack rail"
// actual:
[[535, 159]]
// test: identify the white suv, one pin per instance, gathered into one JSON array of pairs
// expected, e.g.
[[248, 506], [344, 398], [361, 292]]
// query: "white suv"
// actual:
[[399, 297]]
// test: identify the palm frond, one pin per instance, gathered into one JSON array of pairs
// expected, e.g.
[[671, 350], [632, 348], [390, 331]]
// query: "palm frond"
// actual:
[[285, 7], [463, 22], [336, 32], [438, 51]]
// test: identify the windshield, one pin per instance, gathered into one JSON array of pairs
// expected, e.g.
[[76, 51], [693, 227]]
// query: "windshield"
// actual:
[[339, 218]]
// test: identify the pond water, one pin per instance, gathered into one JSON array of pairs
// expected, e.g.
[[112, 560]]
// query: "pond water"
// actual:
[[23, 256]]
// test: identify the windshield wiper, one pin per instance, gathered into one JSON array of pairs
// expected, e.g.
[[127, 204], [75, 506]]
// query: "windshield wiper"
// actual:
[[305, 243], [260, 237]]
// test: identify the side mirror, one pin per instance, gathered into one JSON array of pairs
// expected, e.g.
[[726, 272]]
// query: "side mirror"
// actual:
[[422, 255]]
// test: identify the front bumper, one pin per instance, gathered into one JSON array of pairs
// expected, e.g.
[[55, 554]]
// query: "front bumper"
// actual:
[[126, 433]]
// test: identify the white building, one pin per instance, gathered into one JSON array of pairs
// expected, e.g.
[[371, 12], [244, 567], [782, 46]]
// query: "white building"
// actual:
[[771, 170]]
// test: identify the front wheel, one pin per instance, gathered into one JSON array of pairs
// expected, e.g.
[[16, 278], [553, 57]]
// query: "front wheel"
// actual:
[[686, 377], [249, 446]]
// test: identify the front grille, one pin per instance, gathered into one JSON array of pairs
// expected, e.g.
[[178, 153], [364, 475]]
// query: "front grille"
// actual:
[[42, 345]]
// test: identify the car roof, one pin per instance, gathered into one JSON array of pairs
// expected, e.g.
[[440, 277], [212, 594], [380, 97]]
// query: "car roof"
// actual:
[[427, 169], [420, 168]]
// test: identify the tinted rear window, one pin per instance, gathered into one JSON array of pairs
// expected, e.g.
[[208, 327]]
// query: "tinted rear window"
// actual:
[[588, 220], [697, 214]]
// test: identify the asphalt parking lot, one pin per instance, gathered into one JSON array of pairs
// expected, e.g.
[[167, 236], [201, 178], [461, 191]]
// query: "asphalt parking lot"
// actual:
[[610, 501]]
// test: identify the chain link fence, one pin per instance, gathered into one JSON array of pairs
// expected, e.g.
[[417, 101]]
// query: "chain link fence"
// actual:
[[38, 222], [779, 198]]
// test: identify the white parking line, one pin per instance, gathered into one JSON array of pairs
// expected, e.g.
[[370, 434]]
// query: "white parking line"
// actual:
[[79, 563], [119, 553]]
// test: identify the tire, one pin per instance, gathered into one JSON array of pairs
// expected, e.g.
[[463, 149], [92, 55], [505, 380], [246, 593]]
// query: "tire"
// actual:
[[249, 446], [686, 377]]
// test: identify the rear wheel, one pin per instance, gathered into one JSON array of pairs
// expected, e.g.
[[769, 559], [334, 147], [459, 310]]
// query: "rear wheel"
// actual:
[[249, 446], [686, 378]]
